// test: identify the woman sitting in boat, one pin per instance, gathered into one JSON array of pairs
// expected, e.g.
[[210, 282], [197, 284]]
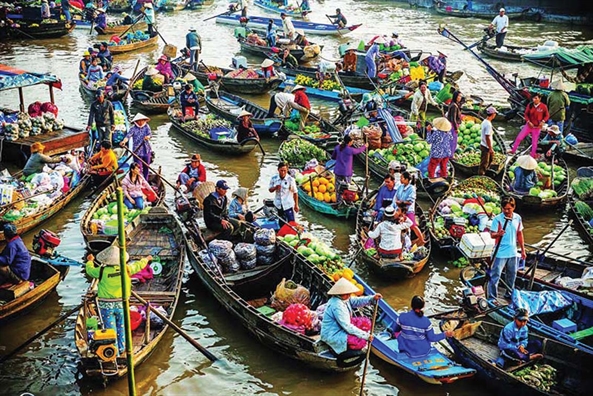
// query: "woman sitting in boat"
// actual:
[[385, 196], [390, 231], [116, 81], [238, 208], [109, 291], [405, 197], [38, 160], [152, 81], [553, 143], [194, 82], [134, 187], [525, 176], [336, 325], [267, 68], [128, 20], [350, 60], [163, 66], [104, 163], [245, 129], [15, 260], [193, 174], [288, 60], [105, 56], [94, 72], [301, 39], [415, 331], [514, 340]]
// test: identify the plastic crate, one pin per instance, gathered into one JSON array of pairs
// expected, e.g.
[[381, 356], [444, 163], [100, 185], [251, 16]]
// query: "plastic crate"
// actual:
[[564, 325]]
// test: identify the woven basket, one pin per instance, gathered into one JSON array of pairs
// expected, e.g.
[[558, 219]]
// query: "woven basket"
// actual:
[[202, 191]]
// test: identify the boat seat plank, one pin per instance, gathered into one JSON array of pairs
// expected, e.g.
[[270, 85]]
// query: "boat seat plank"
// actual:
[[487, 351], [15, 291], [240, 275]]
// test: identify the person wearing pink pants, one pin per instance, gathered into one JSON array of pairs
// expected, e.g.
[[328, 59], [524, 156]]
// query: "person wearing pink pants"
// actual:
[[536, 115]]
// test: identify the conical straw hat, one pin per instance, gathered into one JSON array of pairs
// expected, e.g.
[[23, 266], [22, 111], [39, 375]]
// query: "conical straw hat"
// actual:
[[110, 256], [342, 286]]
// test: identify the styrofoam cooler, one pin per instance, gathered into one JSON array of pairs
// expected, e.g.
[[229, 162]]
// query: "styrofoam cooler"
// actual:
[[476, 245]]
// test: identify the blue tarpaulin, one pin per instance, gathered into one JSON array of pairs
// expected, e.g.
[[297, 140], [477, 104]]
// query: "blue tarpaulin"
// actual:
[[11, 78], [541, 302]]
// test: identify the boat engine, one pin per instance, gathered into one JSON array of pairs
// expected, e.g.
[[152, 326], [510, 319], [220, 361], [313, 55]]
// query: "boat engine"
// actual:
[[473, 300], [103, 344], [45, 242]]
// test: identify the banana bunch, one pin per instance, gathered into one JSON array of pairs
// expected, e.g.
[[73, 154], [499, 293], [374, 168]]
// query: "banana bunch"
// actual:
[[329, 85], [305, 81]]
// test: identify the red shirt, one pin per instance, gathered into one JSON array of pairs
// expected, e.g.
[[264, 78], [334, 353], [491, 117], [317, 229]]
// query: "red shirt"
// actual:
[[536, 114], [300, 98]]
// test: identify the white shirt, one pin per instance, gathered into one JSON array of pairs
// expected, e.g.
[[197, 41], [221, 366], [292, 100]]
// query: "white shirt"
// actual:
[[486, 131], [391, 234], [288, 27], [283, 99], [418, 98], [501, 23], [284, 199]]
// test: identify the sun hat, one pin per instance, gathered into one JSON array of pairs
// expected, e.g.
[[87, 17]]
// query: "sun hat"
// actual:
[[501, 10], [189, 77], [140, 117], [267, 63], [554, 129], [148, 5], [110, 256], [151, 71], [192, 29], [244, 113], [297, 87], [98, 9], [558, 85], [389, 212], [342, 286], [441, 54], [521, 314], [379, 40], [442, 124], [527, 162], [163, 57], [491, 110], [222, 184], [300, 31], [36, 147], [116, 69], [86, 53], [241, 192], [196, 157], [124, 14], [394, 34]]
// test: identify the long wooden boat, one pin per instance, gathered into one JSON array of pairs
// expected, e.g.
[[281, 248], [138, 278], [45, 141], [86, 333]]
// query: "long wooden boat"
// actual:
[[581, 153], [148, 101], [91, 92], [21, 298], [227, 146], [174, 5], [513, 53], [274, 7], [535, 202], [582, 223], [325, 94], [434, 368], [149, 237], [253, 86], [120, 49], [197, 4], [264, 50], [40, 31], [245, 294], [307, 27], [329, 134], [477, 14], [579, 310], [482, 186], [479, 351], [119, 28], [361, 81], [96, 242], [229, 106], [330, 209], [28, 222], [390, 268]]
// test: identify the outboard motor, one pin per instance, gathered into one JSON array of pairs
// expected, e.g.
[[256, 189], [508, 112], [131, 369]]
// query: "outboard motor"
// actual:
[[45, 242], [473, 300]]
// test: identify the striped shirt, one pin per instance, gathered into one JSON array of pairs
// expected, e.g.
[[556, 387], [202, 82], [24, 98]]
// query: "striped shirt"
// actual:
[[416, 334]]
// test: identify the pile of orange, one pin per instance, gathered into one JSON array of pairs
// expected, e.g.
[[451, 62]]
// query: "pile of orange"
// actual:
[[348, 274], [322, 189]]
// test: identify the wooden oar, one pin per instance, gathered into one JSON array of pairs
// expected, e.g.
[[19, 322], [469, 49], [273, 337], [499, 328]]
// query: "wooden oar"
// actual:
[[40, 333], [178, 329], [366, 361], [131, 26], [123, 99], [227, 12], [497, 247], [340, 33]]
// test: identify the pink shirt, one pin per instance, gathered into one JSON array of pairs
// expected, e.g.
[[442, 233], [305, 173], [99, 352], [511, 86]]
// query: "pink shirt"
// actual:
[[165, 69], [135, 189]]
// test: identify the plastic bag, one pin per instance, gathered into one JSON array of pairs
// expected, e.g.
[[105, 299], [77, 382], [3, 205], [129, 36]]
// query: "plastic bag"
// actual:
[[268, 250], [248, 264], [354, 342], [245, 251], [288, 292], [264, 237], [265, 260]]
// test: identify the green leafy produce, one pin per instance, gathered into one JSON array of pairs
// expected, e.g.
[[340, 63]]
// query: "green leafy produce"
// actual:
[[583, 188], [298, 152], [584, 210]]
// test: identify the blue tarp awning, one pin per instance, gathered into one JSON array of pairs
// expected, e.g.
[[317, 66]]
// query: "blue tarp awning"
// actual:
[[11, 78]]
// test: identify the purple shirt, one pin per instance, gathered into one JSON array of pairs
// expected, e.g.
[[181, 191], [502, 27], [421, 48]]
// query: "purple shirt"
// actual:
[[137, 135], [344, 159]]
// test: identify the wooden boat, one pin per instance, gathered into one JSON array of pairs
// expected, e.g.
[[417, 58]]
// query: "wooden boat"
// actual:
[[245, 295], [477, 14], [581, 153], [264, 50], [512, 53], [535, 202], [389, 268], [434, 368], [274, 7], [497, 165], [96, 242], [148, 237], [307, 27], [91, 92], [482, 186], [174, 5], [197, 4], [480, 350], [28, 222], [21, 298], [153, 102], [119, 28], [249, 86], [120, 49], [40, 31], [578, 310], [582, 223], [331, 96], [229, 106], [226, 146], [361, 81], [328, 137]]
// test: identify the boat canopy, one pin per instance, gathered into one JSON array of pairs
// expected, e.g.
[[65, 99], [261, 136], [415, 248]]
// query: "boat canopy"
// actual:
[[11, 78], [562, 58]]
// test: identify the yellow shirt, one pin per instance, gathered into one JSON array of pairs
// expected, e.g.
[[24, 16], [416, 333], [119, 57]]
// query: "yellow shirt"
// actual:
[[108, 159]]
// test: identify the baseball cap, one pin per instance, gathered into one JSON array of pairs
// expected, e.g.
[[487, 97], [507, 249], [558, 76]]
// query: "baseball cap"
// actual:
[[491, 110], [222, 184], [521, 314]]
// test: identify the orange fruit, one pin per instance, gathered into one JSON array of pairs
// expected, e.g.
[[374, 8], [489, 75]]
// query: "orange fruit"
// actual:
[[327, 197], [336, 276], [307, 187], [331, 188], [323, 180], [319, 196], [322, 188], [348, 274], [316, 183], [334, 198]]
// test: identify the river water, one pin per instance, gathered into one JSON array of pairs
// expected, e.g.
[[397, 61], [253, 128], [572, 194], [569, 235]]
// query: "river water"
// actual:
[[49, 365]]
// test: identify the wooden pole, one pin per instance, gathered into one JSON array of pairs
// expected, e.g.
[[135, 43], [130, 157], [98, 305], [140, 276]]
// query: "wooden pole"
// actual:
[[22, 100], [123, 99], [51, 94], [126, 293], [366, 361]]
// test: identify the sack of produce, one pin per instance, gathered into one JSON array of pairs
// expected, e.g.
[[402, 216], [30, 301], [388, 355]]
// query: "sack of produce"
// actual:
[[265, 260], [288, 292], [267, 250], [297, 317], [265, 237], [248, 264], [208, 259], [223, 251], [245, 251]]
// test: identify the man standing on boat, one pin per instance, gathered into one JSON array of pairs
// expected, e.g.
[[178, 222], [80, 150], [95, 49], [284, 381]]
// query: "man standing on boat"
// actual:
[[102, 115], [286, 195], [149, 18], [501, 23], [420, 102], [558, 103], [486, 145], [193, 42], [15, 260], [371, 55], [287, 26], [241, 5]]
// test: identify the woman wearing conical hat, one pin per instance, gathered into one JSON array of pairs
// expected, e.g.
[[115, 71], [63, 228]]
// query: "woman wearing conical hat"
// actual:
[[140, 133], [245, 128], [525, 177]]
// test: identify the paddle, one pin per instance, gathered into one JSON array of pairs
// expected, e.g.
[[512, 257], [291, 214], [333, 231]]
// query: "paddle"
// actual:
[[178, 329], [366, 361], [338, 26], [40, 333], [475, 196], [586, 263], [23, 33], [230, 11], [577, 149], [123, 99], [131, 26]]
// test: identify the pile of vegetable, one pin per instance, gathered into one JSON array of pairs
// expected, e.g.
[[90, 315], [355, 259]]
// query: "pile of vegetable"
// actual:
[[298, 315], [311, 129], [541, 376], [460, 262], [203, 125], [297, 152], [472, 157], [544, 172], [108, 213], [327, 85], [129, 38], [157, 80], [583, 188], [316, 252], [319, 187], [469, 135], [584, 210], [412, 151], [26, 126]]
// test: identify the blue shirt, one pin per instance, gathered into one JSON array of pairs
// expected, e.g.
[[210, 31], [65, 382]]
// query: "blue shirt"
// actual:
[[549, 139], [384, 194], [524, 179], [236, 208], [406, 193], [17, 257], [440, 144], [511, 337], [192, 39], [372, 52], [508, 245], [184, 98], [416, 334], [115, 77], [336, 325]]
